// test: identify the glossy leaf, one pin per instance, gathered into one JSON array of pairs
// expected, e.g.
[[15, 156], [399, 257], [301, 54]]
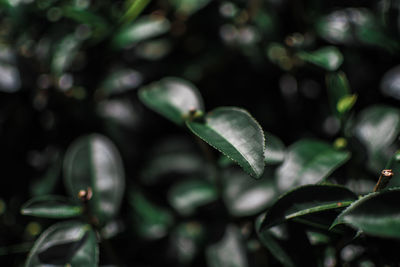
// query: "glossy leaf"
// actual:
[[229, 251], [121, 81], [307, 200], [142, 29], [51, 207], [376, 214], [64, 54], [65, 243], [236, 134], [150, 220], [390, 84], [244, 196], [268, 240], [274, 152], [188, 195], [173, 98], [328, 57], [338, 88], [377, 127], [308, 162], [188, 7], [93, 162]]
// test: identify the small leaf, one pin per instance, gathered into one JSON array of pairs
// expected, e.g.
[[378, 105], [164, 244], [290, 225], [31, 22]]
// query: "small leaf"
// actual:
[[236, 134], [272, 245], [307, 200], [187, 196], [65, 243], [121, 81], [376, 214], [244, 196], [229, 251], [328, 57], [150, 220], [64, 54], [51, 207], [338, 87], [144, 28], [173, 98], [346, 103], [93, 162], [308, 162], [274, 152], [133, 9]]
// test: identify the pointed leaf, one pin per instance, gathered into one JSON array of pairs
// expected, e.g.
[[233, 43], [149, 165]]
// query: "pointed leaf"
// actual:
[[308, 162], [51, 207], [94, 162], [173, 98], [328, 57], [64, 243], [187, 196], [376, 214], [307, 200], [236, 134], [338, 87], [272, 245]]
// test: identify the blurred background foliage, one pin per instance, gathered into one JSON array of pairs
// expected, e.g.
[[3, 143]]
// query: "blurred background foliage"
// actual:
[[71, 68]]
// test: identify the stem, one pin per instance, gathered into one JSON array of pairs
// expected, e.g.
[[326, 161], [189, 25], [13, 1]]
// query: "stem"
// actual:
[[383, 181]]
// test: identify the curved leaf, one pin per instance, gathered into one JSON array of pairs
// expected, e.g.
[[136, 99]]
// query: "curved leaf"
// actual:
[[64, 243], [306, 200], [376, 214], [328, 57], [308, 162], [94, 162], [187, 196], [51, 207], [338, 88], [173, 98], [236, 134]]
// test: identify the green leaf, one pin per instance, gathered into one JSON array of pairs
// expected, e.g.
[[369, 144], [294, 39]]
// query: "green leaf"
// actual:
[[173, 98], [244, 196], [272, 245], [274, 152], [229, 251], [346, 103], [51, 207], [338, 87], [307, 200], [64, 243], [150, 220], [377, 127], [188, 7], [94, 162], [375, 214], [134, 8], [64, 54], [328, 58], [235, 133], [187, 196], [144, 28], [121, 81], [46, 184], [308, 162]]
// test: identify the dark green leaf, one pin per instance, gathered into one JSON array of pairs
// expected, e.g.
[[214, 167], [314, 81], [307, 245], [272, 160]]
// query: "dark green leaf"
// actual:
[[328, 57], [338, 89], [51, 207], [45, 185], [173, 98], [188, 7], [236, 134], [187, 196], [142, 29], [133, 9], [121, 81], [376, 214], [272, 245], [64, 54], [94, 162], [274, 152], [377, 127], [150, 220], [65, 243], [390, 84], [308, 162], [228, 252], [244, 196], [306, 200]]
